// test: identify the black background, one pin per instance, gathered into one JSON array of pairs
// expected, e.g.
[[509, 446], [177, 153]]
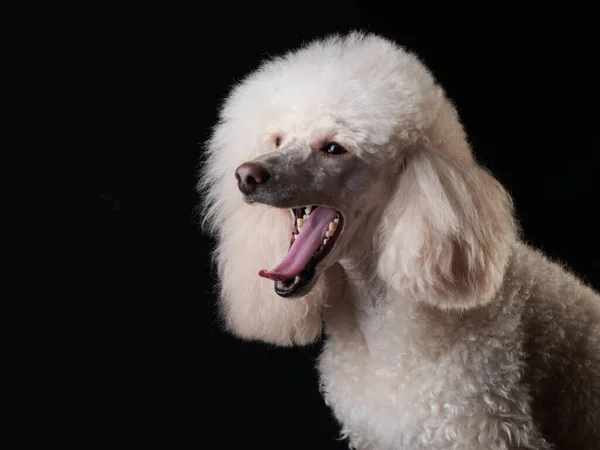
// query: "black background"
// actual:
[[114, 103]]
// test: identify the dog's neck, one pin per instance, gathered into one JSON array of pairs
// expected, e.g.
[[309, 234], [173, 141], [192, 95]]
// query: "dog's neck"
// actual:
[[370, 305], [368, 291]]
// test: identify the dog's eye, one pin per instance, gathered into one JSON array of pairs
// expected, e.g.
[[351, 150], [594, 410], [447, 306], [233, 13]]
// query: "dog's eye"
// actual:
[[334, 149]]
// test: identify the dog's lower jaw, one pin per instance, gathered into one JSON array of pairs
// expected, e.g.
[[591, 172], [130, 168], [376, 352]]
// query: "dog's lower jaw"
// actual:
[[304, 289]]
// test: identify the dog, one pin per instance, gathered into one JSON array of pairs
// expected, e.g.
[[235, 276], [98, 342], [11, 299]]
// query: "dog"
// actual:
[[341, 189]]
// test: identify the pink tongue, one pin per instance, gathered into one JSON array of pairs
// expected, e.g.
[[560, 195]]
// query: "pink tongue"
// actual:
[[306, 244]]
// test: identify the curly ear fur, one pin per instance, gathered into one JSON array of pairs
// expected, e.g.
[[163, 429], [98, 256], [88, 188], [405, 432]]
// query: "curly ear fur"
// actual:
[[250, 238], [446, 234]]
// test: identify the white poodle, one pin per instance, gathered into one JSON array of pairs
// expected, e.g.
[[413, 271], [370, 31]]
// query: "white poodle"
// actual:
[[358, 199]]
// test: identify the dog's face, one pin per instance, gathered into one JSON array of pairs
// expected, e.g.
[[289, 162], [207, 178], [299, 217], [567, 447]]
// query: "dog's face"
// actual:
[[328, 185], [327, 136]]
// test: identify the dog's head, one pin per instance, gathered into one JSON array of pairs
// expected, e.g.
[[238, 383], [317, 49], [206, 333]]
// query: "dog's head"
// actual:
[[347, 146]]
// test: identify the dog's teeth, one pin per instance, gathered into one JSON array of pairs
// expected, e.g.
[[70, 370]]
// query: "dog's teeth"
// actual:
[[300, 223], [305, 216], [332, 226], [325, 241], [328, 233], [336, 220], [296, 280], [308, 210]]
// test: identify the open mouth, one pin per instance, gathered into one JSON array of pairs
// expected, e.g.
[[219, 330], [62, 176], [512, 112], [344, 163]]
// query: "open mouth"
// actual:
[[316, 229]]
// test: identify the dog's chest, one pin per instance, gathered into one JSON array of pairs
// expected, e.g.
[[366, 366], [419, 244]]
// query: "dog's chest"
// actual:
[[392, 385], [377, 400]]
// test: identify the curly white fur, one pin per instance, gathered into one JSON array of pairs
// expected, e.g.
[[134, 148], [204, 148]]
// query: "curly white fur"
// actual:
[[444, 330]]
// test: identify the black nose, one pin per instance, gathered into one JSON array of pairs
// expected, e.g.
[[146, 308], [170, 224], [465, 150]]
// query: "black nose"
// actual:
[[249, 175]]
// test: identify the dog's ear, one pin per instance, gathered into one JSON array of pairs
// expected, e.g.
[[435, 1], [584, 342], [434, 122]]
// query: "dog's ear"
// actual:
[[446, 235], [250, 238]]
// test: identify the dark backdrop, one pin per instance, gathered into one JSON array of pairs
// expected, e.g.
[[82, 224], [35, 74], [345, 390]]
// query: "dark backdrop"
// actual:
[[114, 104]]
